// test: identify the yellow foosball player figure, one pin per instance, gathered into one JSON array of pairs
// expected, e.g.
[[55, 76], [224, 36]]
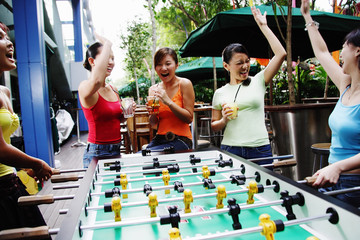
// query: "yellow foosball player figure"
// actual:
[[116, 207], [174, 234], [269, 227], [153, 203], [252, 190], [312, 238], [205, 172], [221, 194], [166, 179], [123, 183], [188, 198]]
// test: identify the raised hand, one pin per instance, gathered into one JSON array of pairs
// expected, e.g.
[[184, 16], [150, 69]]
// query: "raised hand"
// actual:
[[259, 18], [305, 7]]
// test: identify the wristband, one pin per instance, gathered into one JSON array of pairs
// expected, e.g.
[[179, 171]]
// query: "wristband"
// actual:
[[313, 23]]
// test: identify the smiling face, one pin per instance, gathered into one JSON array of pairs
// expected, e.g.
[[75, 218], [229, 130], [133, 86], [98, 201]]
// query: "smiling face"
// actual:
[[166, 67], [7, 61], [238, 67]]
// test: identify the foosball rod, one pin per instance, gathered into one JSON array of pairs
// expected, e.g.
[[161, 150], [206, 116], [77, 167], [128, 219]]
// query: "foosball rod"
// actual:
[[171, 176], [116, 182], [155, 170], [270, 158], [138, 221], [134, 190], [167, 200], [50, 198], [41, 199], [259, 229], [44, 231], [159, 170], [199, 160], [283, 163], [160, 162], [75, 177], [56, 171]]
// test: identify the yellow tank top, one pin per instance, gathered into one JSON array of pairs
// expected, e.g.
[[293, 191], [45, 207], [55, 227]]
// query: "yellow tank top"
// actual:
[[9, 122], [168, 122]]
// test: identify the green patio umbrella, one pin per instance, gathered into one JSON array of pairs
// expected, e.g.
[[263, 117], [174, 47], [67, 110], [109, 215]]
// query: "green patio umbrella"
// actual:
[[202, 68], [239, 26]]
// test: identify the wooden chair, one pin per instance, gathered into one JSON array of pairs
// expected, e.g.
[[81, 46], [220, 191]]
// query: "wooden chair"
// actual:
[[140, 130], [125, 136]]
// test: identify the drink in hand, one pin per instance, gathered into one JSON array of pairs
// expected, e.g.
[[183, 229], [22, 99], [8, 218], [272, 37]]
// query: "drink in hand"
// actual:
[[234, 108], [153, 102]]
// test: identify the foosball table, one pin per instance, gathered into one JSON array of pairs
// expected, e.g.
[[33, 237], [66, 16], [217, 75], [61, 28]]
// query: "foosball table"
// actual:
[[208, 194]]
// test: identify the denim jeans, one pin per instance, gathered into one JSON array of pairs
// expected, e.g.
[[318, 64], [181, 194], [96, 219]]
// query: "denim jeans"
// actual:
[[159, 142], [346, 181], [100, 150], [251, 152]]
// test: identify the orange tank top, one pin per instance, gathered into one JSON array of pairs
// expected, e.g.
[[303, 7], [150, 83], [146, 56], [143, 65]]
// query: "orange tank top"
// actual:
[[168, 122]]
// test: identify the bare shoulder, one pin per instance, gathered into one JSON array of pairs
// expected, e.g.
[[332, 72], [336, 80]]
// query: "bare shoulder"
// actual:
[[5, 90], [184, 82], [83, 84]]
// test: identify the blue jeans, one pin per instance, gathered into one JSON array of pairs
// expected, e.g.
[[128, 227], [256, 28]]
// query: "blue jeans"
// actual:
[[100, 150], [346, 181], [159, 143], [251, 152]]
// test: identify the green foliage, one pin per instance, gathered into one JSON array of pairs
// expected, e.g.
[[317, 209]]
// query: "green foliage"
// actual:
[[311, 84], [137, 44], [179, 17], [204, 90], [130, 89], [280, 88]]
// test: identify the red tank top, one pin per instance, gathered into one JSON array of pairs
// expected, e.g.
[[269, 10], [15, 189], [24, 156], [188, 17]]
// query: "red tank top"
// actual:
[[104, 121], [168, 122]]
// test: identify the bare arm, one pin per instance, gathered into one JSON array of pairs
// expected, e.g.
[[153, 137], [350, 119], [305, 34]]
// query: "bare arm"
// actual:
[[321, 51], [279, 51], [329, 175], [219, 118], [186, 113], [88, 88], [12, 156]]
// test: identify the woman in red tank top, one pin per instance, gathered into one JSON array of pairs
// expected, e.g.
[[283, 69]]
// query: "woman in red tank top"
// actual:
[[101, 103], [177, 100]]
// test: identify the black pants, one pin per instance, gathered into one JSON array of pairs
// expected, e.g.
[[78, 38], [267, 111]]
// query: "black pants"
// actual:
[[12, 215]]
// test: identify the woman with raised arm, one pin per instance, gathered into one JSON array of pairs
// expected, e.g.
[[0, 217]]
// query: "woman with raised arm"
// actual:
[[11, 188], [101, 103], [239, 105], [344, 159]]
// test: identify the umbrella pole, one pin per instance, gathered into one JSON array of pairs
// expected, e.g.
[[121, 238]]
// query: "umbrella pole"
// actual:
[[214, 70]]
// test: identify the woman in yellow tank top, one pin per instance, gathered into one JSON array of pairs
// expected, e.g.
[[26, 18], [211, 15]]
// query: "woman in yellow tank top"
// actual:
[[11, 188], [177, 100]]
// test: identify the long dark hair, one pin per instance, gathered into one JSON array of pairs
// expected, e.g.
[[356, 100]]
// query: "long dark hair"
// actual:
[[229, 52], [354, 38], [91, 52]]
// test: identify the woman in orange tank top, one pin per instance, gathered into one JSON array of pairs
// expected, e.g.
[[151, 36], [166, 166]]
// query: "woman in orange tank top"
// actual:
[[177, 100]]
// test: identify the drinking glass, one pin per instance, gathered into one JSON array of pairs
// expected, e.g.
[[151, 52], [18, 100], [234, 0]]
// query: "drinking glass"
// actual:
[[153, 102], [127, 106]]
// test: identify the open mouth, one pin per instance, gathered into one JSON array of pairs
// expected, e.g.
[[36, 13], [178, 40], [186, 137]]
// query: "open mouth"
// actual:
[[165, 74], [10, 56]]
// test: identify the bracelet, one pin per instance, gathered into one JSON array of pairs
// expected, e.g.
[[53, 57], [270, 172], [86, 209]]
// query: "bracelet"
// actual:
[[313, 23]]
